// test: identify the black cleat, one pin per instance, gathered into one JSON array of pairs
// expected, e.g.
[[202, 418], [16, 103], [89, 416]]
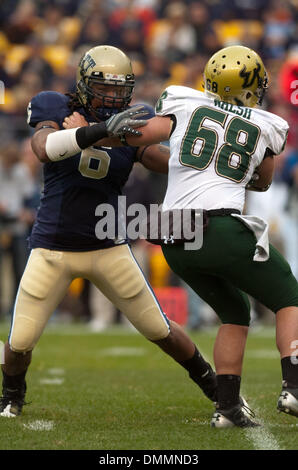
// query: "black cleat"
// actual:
[[239, 415], [288, 400], [12, 401]]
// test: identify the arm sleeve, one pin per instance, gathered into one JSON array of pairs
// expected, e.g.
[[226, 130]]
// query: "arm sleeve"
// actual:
[[277, 138], [171, 101], [47, 106], [149, 109]]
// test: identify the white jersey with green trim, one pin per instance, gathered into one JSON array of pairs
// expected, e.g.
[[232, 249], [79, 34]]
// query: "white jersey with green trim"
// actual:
[[215, 148]]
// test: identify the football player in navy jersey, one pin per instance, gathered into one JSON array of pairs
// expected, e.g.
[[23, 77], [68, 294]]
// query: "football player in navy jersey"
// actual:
[[80, 174]]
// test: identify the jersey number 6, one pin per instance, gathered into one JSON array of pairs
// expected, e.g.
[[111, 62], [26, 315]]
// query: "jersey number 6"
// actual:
[[103, 162]]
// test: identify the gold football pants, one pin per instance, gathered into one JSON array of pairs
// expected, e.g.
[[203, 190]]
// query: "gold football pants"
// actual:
[[114, 271]]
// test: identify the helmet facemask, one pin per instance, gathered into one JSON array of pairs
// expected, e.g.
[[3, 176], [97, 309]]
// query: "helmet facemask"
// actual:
[[109, 104], [105, 75]]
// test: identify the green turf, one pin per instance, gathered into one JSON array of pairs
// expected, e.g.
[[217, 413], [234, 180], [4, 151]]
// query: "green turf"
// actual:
[[136, 397]]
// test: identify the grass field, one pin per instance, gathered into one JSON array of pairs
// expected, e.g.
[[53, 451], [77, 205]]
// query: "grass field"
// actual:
[[115, 390]]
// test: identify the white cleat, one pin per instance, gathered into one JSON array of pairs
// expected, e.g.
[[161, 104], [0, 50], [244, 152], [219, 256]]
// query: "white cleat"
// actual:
[[220, 421], [6, 412], [288, 400], [239, 415]]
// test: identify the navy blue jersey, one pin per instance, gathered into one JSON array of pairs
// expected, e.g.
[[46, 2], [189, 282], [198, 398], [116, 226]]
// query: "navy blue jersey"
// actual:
[[75, 187]]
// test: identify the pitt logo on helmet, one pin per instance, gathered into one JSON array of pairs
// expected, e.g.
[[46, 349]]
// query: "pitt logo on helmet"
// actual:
[[87, 62]]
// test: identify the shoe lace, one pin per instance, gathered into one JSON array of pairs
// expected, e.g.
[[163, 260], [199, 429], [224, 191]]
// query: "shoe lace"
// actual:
[[248, 410]]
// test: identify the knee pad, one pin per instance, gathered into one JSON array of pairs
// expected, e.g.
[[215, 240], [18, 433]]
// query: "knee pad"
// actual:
[[41, 274], [40, 290], [23, 335], [144, 312], [152, 323], [125, 277], [130, 292]]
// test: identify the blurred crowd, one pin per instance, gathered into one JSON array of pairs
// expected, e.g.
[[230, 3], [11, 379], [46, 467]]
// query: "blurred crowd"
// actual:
[[169, 42]]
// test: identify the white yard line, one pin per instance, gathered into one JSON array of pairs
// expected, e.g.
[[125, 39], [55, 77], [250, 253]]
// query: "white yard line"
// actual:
[[39, 425], [56, 371], [122, 351], [282, 425], [261, 438], [53, 381], [262, 354]]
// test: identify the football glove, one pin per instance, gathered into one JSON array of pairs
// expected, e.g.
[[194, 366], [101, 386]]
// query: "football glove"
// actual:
[[124, 123]]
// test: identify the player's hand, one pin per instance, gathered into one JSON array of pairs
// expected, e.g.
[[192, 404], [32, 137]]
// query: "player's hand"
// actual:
[[124, 123], [253, 184], [74, 120]]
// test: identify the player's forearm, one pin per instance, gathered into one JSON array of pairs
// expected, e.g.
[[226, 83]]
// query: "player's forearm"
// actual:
[[156, 130], [263, 176], [38, 144], [151, 134], [52, 146], [147, 138], [155, 157]]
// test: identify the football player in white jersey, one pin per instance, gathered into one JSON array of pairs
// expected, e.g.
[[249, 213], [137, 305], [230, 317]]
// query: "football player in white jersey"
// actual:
[[221, 145]]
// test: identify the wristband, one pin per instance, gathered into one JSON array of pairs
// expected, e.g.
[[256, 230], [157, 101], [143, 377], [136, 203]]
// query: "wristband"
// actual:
[[61, 145], [66, 143], [88, 135]]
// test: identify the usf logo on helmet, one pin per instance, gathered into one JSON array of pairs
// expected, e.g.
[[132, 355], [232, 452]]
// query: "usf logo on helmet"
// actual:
[[105, 81], [237, 75], [250, 77]]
